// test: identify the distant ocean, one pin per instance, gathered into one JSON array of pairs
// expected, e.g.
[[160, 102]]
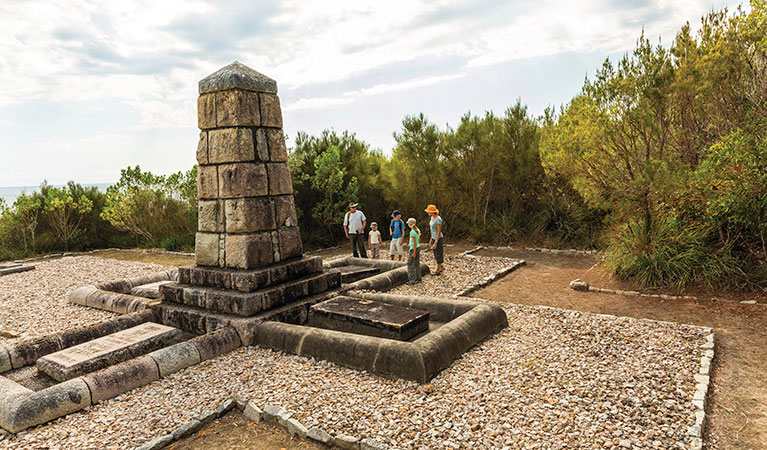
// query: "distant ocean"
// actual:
[[9, 194]]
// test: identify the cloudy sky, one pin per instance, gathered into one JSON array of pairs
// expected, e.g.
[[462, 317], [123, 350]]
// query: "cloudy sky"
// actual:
[[90, 87]]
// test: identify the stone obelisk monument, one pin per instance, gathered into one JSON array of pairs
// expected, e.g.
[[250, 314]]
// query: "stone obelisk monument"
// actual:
[[247, 218], [248, 247]]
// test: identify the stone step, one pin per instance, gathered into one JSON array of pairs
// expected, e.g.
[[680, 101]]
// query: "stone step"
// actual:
[[201, 321], [250, 303], [249, 280]]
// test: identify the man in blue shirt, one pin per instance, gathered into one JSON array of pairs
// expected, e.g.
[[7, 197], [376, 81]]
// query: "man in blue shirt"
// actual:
[[396, 228]]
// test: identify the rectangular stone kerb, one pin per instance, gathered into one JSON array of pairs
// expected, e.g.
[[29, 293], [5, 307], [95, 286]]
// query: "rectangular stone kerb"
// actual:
[[247, 216]]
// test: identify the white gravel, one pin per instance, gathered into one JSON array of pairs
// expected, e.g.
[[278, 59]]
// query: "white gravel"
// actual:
[[554, 379], [34, 303]]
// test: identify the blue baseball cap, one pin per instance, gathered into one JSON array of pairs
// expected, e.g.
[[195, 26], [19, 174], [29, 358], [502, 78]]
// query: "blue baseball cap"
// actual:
[[395, 213]]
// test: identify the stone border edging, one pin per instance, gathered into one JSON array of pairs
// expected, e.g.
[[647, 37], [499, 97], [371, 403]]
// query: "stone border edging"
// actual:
[[99, 250], [584, 286], [393, 273], [489, 279], [115, 296], [469, 252], [22, 408], [466, 323], [320, 250], [271, 414]]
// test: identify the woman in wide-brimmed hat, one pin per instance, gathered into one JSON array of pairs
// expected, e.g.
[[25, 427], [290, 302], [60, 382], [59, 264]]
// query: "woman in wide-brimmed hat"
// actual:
[[436, 242]]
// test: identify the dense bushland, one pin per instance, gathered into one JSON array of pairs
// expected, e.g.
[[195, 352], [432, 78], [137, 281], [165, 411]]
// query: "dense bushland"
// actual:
[[661, 160]]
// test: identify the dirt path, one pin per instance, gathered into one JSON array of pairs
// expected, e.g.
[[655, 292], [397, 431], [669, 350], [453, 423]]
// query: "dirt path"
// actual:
[[737, 409]]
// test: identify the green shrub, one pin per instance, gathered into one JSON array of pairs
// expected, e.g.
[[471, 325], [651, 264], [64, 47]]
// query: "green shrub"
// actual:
[[671, 254]]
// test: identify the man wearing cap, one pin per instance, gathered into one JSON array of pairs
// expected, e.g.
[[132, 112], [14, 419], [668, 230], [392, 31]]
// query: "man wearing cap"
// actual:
[[354, 227], [396, 230]]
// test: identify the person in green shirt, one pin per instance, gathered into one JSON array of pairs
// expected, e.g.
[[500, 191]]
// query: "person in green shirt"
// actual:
[[413, 256]]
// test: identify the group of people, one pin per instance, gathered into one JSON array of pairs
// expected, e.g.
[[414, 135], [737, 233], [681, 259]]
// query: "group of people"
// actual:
[[402, 241]]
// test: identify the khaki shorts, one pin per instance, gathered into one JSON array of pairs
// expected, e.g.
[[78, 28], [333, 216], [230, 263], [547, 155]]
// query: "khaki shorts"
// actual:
[[397, 247]]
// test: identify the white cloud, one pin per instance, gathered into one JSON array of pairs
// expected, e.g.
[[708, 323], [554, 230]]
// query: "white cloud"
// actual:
[[149, 55], [379, 89]]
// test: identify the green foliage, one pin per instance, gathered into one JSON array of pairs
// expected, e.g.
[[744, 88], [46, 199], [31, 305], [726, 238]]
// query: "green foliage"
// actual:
[[350, 159], [329, 180], [671, 143], [671, 253], [153, 208], [65, 213]]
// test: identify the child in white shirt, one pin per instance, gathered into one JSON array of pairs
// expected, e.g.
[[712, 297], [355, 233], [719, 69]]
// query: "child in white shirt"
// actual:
[[374, 241]]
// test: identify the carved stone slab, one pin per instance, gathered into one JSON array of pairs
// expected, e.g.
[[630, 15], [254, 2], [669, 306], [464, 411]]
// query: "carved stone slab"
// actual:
[[108, 350], [369, 317]]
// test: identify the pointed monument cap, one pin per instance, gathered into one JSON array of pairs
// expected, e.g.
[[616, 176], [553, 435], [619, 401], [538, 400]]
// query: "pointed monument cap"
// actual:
[[237, 76]]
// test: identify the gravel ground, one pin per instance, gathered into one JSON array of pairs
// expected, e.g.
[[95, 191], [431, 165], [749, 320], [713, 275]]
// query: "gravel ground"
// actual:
[[554, 379], [34, 303]]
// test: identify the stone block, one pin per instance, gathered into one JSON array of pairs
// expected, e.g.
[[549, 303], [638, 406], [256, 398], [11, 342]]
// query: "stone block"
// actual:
[[253, 412], [242, 180], [278, 151], [156, 443], [172, 292], [247, 281], [27, 352], [84, 334], [193, 296], [210, 216], [5, 360], [206, 111], [107, 350], [237, 76], [207, 249], [262, 146], [290, 242], [202, 148], [42, 406], [237, 108], [271, 114], [115, 380], [206, 416], [80, 295], [296, 427], [187, 429], [10, 390], [149, 291], [204, 276], [346, 442], [207, 182], [228, 145], [248, 215], [247, 251], [217, 343], [285, 211], [225, 407], [319, 435], [372, 444], [279, 179], [235, 302], [176, 357]]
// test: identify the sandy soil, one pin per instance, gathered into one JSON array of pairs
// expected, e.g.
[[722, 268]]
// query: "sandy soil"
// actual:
[[235, 431], [737, 409]]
